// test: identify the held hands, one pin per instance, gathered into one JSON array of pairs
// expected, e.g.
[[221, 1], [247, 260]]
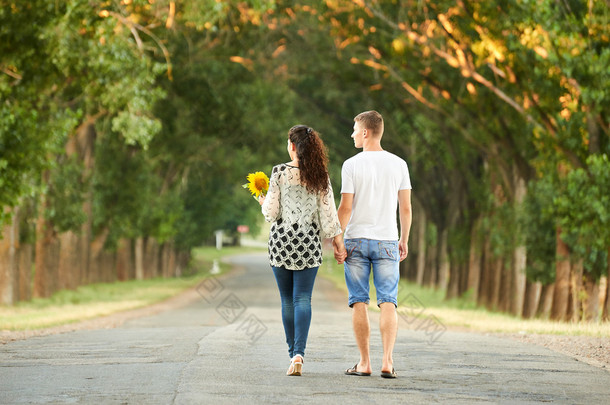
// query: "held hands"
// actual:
[[261, 199], [339, 249]]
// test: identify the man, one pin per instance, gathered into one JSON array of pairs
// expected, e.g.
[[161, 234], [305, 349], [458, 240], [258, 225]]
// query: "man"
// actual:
[[374, 184]]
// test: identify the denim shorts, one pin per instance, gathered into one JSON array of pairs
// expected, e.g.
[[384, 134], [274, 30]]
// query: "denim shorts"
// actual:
[[380, 255]]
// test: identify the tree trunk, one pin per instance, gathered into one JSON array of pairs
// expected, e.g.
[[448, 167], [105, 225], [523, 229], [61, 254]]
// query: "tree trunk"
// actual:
[[561, 292], [97, 271], [108, 266], [454, 280], [172, 262], [591, 302], [40, 275], [123, 259], [46, 263], [151, 258], [463, 285], [132, 261], [606, 310], [421, 247], [69, 260], [519, 255], [163, 259], [430, 275], [84, 244], [182, 261], [519, 280], [444, 266], [80, 260], [8, 263], [43, 277], [602, 286], [546, 301], [25, 272], [65, 254], [495, 283], [6, 270], [168, 259], [139, 256], [83, 143], [506, 287], [576, 292], [474, 263], [532, 298], [484, 293]]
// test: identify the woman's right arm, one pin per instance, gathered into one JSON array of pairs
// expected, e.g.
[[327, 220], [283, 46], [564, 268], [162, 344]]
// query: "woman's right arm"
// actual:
[[271, 202]]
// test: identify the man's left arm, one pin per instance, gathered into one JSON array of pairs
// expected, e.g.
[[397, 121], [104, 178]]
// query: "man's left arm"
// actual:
[[344, 213], [405, 215]]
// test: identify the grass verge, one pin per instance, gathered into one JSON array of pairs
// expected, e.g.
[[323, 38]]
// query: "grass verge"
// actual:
[[427, 308], [94, 300]]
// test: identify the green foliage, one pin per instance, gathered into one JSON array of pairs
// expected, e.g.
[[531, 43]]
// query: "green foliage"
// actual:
[[125, 190], [135, 128], [582, 209], [538, 225], [474, 95], [578, 204], [63, 62], [32, 127], [215, 200], [65, 196]]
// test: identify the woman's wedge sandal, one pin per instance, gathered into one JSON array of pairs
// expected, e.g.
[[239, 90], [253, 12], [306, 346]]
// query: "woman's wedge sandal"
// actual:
[[296, 366]]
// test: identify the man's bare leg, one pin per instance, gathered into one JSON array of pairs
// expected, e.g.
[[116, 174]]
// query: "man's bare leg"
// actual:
[[388, 325], [362, 332]]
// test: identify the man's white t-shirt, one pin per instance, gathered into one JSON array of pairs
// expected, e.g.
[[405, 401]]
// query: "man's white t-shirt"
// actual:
[[374, 177]]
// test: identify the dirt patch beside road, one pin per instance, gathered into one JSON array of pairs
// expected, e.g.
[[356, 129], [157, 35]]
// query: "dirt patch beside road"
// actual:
[[591, 350]]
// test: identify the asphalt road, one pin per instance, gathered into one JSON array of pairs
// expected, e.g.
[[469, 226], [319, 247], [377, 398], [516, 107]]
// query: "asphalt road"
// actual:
[[227, 347]]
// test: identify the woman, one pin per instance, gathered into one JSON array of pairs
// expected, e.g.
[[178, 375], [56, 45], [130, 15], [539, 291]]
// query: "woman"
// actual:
[[301, 207]]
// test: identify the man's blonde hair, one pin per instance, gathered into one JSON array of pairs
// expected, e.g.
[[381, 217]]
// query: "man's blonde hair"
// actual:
[[371, 120]]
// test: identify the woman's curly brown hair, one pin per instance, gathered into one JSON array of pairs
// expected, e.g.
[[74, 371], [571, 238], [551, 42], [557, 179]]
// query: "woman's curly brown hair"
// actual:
[[313, 161]]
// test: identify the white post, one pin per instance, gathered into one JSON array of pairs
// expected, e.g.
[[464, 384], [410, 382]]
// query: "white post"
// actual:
[[218, 239]]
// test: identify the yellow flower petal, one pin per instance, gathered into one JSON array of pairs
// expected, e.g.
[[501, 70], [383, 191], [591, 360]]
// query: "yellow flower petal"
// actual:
[[258, 183]]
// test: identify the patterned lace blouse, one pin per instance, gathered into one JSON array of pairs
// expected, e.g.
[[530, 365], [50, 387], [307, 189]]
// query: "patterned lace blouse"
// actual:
[[299, 220]]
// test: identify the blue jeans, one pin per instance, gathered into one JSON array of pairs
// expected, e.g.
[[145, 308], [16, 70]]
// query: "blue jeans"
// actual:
[[295, 291], [384, 258]]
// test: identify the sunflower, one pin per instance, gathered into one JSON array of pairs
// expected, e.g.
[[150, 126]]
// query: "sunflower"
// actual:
[[258, 183]]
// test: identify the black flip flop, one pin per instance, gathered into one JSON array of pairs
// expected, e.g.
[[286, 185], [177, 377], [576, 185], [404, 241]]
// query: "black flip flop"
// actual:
[[353, 371], [389, 374]]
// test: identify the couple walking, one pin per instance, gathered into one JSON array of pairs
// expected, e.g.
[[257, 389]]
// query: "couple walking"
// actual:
[[301, 207]]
